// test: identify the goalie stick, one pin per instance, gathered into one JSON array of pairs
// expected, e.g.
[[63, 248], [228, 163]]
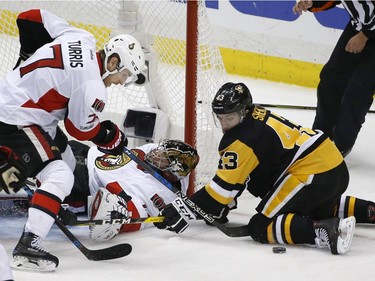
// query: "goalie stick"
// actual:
[[75, 222], [288, 106], [239, 231], [69, 218], [114, 252]]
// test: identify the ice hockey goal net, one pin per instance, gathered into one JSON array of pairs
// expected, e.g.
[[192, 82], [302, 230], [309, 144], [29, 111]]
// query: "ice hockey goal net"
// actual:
[[161, 27]]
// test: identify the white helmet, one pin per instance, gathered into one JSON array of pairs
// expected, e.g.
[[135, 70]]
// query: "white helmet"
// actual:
[[131, 56]]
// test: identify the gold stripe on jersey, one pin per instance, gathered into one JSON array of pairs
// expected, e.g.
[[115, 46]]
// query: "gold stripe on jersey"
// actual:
[[284, 192], [220, 194], [317, 161], [236, 171], [236, 163]]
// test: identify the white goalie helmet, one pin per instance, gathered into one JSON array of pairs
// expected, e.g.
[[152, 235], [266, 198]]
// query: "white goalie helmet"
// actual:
[[131, 57]]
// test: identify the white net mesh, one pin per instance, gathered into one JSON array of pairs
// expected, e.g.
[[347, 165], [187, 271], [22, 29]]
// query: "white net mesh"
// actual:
[[160, 26]]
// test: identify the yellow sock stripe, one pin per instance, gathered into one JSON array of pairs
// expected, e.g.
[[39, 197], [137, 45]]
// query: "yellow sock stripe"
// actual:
[[287, 223], [351, 204], [270, 237]]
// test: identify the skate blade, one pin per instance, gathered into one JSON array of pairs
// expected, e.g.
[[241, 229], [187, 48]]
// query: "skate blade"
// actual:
[[34, 265], [346, 229]]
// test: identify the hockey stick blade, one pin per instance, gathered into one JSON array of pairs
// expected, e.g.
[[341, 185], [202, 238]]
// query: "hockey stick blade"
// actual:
[[239, 231], [76, 222], [114, 252]]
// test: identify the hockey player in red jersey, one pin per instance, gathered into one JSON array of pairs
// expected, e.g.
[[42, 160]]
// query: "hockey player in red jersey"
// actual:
[[298, 173], [117, 181], [60, 77]]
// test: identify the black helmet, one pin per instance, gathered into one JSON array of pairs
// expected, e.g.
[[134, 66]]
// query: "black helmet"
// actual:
[[231, 97]]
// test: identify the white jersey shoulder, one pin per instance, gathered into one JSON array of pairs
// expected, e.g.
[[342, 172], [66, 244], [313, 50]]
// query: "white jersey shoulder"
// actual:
[[61, 79]]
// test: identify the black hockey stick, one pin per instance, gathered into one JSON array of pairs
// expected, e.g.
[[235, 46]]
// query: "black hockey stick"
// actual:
[[75, 221], [288, 106], [114, 252], [239, 231]]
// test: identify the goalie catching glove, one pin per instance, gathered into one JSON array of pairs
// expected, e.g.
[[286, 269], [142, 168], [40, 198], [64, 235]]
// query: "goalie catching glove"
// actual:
[[107, 206], [110, 139], [176, 216], [13, 171]]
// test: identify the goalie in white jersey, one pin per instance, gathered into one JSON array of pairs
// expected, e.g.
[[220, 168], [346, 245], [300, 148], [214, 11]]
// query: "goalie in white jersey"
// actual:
[[117, 181], [59, 76]]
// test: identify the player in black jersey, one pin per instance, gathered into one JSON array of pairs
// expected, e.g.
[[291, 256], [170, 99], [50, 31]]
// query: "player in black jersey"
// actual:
[[298, 173]]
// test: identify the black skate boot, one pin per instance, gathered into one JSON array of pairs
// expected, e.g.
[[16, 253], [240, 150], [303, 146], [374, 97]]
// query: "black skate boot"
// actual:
[[335, 233], [30, 256]]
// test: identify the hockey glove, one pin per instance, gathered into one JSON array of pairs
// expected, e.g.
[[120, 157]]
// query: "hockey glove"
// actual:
[[114, 140], [175, 217], [13, 171]]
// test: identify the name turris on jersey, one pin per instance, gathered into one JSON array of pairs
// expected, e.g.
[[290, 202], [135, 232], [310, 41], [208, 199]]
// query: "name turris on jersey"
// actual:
[[75, 54]]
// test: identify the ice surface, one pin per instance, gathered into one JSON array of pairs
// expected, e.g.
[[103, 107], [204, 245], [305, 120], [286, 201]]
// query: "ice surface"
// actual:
[[203, 252]]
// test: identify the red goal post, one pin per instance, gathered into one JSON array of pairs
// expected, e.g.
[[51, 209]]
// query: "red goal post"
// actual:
[[185, 67]]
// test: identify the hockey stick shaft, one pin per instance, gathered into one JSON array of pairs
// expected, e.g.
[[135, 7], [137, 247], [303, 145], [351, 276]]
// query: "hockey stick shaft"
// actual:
[[229, 231], [288, 106], [76, 222], [114, 252]]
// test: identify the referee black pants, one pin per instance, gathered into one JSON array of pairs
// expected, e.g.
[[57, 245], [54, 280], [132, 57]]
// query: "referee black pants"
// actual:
[[345, 92]]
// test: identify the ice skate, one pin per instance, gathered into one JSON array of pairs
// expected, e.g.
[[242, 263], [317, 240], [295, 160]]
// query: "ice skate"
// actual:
[[28, 255], [335, 233]]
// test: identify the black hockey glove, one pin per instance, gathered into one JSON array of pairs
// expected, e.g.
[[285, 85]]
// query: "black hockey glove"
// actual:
[[175, 217], [13, 171], [114, 140]]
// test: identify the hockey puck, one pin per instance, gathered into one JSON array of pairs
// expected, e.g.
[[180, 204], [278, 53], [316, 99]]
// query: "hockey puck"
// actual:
[[278, 250]]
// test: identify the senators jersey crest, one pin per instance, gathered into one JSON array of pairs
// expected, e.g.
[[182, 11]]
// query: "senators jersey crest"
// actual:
[[112, 162]]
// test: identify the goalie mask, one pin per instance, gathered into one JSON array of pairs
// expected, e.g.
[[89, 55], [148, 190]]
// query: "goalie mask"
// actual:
[[131, 57], [173, 157]]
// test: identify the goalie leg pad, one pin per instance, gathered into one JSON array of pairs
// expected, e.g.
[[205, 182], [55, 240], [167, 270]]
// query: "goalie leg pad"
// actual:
[[106, 206]]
